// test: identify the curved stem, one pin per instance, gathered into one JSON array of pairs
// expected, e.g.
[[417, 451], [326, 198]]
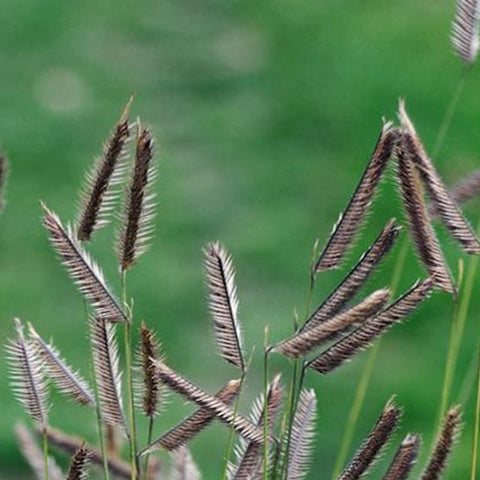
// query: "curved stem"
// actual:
[[151, 421], [45, 451]]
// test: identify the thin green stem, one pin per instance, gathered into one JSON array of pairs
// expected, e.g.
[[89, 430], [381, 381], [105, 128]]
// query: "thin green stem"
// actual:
[[151, 421], [228, 450], [265, 407], [45, 451], [131, 405], [473, 474]]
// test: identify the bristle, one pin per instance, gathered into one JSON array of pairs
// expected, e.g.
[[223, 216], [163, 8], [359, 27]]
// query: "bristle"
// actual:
[[194, 424], [136, 228], [223, 303], [357, 276], [85, 272], [27, 377], [79, 464], [350, 221], [303, 430], [448, 211], [249, 455], [302, 343], [194, 394], [183, 467], [107, 372], [405, 459], [376, 440], [97, 197], [449, 433], [35, 456], [149, 351], [70, 444], [67, 380], [425, 240], [361, 338], [4, 170], [464, 34]]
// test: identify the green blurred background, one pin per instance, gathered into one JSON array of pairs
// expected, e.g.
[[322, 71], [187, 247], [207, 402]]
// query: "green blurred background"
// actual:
[[265, 114]]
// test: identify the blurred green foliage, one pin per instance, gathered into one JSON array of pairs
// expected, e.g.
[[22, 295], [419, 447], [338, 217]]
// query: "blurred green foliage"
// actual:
[[265, 114]]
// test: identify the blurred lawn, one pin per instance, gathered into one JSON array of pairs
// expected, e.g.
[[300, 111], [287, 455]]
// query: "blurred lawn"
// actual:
[[265, 114]]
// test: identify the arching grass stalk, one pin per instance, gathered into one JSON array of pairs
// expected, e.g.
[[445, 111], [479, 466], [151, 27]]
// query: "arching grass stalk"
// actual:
[[228, 450], [473, 473], [128, 360], [366, 374], [151, 421], [45, 451]]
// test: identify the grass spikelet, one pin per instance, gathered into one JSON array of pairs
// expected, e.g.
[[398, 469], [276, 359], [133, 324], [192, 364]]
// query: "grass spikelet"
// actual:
[[357, 276], [449, 433], [369, 451], [86, 274], [464, 34], [70, 444], [303, 430], [68, 381], [28, 381], [223, 303], [302, 343], [195, 394], [249, 454], [34, 455], [350, 221], [405, 459], [149, 351], [425, 240], [107, 372], [138, 216], [361, 338], [97, 197], [466, 189], [183, 467], [448, 211], [194, 424], [79, 464]]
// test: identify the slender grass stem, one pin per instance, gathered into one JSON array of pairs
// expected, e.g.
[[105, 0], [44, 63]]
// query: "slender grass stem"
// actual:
[[45, 451], [151, 421], [131, 405], [228, 450], [265, 406], [473, 474]]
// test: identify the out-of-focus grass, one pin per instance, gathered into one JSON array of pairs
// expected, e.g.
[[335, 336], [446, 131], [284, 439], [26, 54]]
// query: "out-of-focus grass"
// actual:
[[265, 114]]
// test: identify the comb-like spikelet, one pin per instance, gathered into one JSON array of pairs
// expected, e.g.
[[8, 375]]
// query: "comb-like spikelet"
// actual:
[[303, 431], [149, 351], [183, 467], [449, 433], [357, 276], [34, 455], [249, 455], [467, 188], [447, 209], [350, 221], [70, 444], [28, 381], [3, 179], [223, 303], [136, 229], [302, 343], [194, 424], [195, 394], [82, 269], [464, 35], [361, 338], [68, 381], [79, 464], [107, 373], [97, 197], [376, 440], [425, 240], [404, 459]]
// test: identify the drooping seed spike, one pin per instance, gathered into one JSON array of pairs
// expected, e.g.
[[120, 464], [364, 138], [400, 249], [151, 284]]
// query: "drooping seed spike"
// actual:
[[79, 464], [405, 459], [464, 36]]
